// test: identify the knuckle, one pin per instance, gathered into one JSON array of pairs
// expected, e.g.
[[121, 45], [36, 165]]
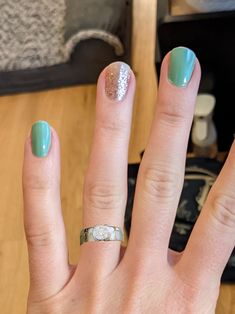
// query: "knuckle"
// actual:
[[188, 293], [110, 126], [223, 210], [102, 196], [173, 117], [39, 182], [44, 238], [189, 296], [160, 182]]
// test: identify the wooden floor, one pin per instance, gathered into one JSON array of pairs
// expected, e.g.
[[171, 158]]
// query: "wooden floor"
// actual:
[[71, 112]]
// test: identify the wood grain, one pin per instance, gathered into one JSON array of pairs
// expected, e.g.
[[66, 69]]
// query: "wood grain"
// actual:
[[71, 112]]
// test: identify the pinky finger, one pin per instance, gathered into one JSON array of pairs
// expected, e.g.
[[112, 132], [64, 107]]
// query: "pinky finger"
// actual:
[[44, 228]]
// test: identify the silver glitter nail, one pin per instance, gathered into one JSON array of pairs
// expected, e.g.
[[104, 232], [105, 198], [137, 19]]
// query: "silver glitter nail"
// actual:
[[117, 77]]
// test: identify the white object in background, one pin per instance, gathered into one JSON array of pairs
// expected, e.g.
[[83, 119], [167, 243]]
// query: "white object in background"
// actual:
[[204, 136], [212, 5]]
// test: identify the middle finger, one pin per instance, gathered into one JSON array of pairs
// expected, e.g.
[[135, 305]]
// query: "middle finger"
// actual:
[[161, 171]]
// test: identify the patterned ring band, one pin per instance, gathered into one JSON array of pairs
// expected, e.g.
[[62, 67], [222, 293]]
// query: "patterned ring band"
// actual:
[[101, 233]]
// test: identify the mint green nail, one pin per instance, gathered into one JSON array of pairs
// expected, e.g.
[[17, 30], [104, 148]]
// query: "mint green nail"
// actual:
[[182, 62], [41, 138]]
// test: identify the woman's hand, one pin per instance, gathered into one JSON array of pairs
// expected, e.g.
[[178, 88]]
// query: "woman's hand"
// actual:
[[148, 277]]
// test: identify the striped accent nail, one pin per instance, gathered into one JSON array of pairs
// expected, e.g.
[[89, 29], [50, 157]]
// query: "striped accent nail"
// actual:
[[117, 78]]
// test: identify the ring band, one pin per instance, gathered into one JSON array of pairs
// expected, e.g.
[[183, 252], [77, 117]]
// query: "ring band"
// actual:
[[101, 233]]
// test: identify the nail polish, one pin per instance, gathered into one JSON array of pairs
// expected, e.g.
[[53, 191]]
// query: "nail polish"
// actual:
[[181, 66], [40, 138], [117, 78]]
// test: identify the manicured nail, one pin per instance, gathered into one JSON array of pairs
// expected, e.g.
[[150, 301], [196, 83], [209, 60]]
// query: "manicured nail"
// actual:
[[117, 78], [182, 62], [41, 138]]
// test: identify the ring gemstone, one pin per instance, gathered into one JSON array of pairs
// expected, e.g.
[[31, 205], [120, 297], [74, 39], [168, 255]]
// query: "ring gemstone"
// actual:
[[101, 233]]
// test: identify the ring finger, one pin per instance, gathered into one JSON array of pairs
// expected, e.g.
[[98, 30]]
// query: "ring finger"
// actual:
[[105, 188]]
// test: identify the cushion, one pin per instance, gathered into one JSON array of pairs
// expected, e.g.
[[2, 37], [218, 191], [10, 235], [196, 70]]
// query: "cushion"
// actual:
[[95, 33]]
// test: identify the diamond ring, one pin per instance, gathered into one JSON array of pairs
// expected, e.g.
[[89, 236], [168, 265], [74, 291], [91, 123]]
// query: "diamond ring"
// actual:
[[101, 233]]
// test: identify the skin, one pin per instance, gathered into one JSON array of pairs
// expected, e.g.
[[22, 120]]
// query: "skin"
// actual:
[[147, 277]]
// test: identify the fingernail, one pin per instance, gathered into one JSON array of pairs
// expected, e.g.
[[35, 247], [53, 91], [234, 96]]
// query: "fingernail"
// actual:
[[181, 65], [41, 138], [117, 78]]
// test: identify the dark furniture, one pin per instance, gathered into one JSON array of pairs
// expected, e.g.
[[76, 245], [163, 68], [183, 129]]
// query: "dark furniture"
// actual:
[[211, 36]]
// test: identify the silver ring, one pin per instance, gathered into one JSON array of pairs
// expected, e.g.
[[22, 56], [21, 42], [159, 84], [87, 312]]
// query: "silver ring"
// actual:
[[101, 233]]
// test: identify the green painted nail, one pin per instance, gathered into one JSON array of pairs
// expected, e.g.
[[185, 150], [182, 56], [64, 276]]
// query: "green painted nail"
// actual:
[[182, 61], [41, 138]]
